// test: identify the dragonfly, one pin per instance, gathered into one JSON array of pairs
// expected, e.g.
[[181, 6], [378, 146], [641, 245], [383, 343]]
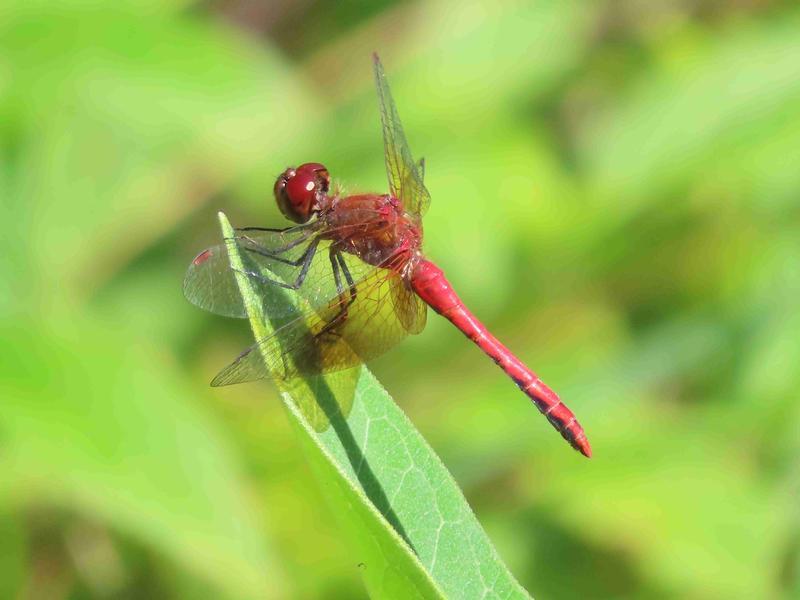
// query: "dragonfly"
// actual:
[[357, 266]]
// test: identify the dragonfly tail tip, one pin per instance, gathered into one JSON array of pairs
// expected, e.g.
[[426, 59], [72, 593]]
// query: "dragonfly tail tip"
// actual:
[[582, 446]]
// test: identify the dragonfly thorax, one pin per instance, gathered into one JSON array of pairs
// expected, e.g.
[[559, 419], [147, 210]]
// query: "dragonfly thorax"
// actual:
[[375, 228]]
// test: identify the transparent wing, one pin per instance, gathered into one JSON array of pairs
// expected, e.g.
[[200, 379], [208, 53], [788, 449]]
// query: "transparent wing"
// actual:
[[411, 311], [405, 177], [367, 320], [285, 259], [210, 283]]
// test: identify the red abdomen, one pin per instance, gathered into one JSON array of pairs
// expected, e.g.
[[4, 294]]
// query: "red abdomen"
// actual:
[[432, 286]]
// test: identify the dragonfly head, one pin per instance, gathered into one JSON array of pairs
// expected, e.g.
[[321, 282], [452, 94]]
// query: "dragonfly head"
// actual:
[[299, 191]]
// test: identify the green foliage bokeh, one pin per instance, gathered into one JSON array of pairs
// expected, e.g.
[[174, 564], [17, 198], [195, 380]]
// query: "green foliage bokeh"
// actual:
[[615, 193]]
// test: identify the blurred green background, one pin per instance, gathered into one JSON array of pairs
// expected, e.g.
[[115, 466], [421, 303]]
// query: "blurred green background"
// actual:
[[616, 192]]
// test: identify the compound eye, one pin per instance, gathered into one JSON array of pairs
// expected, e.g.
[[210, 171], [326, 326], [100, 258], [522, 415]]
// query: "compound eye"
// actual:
[[321, 176], [299, 191]]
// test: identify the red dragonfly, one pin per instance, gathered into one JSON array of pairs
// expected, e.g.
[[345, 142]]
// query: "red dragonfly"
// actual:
[[357, 265]]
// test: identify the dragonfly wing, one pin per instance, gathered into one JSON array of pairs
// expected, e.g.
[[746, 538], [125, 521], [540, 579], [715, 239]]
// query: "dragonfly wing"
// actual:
[[353, 328], [209, 284], [268, 257], [411, 310], [405, 177]]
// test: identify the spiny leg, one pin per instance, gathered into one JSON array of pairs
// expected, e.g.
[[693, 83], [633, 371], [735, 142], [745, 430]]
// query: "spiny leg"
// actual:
[[277, 229], [308, 255], [274, 252], [337, 278], [338, 264], [350, 283]]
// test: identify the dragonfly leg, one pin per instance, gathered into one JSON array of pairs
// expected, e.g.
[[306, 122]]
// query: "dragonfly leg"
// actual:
[[338, 264], [308, 255], [350, 283], [342, 313], [267, 229], [339, 267], [274, 254], [277, 229]]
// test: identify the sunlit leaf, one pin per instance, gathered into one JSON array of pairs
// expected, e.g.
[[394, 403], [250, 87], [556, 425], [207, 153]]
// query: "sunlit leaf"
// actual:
[[408, 524]]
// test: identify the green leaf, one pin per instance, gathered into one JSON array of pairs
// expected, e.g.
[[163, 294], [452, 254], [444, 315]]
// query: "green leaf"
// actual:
[[410, 528]]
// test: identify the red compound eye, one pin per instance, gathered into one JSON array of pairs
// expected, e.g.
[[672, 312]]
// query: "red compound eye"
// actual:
[[299, 190]]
